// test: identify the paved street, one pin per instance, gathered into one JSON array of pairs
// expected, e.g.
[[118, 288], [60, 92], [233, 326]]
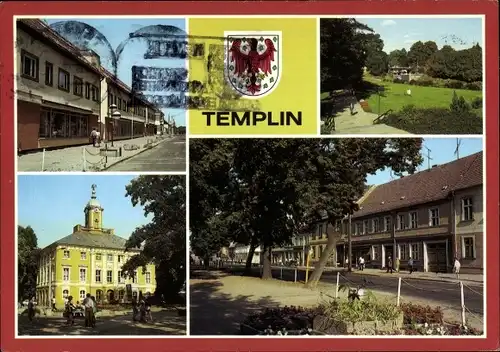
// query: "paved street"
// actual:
[[165, 322], [169, 155], [446, 293]]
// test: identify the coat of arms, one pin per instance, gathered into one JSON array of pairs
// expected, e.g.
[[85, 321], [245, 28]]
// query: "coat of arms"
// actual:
[[253, 62]]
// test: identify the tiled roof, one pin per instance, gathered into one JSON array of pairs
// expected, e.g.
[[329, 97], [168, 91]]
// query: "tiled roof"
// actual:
[[95, 240], [66, 46], [424, 186]]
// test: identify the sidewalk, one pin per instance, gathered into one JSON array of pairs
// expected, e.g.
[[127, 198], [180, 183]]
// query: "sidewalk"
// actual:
[[71, 158], [448, 277]]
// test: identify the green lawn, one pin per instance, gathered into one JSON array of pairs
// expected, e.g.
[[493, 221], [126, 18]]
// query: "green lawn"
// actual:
[[393, 97]]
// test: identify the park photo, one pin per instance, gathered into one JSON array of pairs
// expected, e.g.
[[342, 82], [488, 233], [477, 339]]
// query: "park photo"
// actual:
[[351, 236], [106, 256], [403, 75]]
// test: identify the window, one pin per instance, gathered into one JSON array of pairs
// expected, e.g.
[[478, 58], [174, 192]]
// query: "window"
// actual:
[[121, 294], [98, 275], [110, 257], [29, 66], [120, 259], [467, 213], [134, 278], [87, 90], [148, 277], [198, 50], [415, 251], [83, 274], [468, 248], [82, 294], [49, 74], [65, 274], [403, 251], [98, 295], [401, 222], [434, 217], [366, 228], [63, 80], [119, 104], [387, 224], [376, 225], [358, 229], [95, 93], [376, 253], [413, 220], [65, 293], [109, 276], [62, 124], [121, 279], [83, 255], [66, 254], [77, 86], [320, 248], [110, 99], [98, 256]]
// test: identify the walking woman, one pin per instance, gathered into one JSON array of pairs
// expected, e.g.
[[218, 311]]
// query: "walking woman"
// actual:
[[69, 312]]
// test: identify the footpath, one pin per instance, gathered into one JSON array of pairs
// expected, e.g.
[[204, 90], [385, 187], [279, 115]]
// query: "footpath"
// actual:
[[85, 158]]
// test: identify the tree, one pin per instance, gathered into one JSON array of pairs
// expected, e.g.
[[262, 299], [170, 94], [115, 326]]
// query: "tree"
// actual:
[[398, 58], [163, 240], [420, 53], [27, 262], [342, 52], [377, 63]]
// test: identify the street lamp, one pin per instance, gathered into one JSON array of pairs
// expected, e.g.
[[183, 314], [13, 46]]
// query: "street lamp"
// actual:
[[115, 115], [111, 109]]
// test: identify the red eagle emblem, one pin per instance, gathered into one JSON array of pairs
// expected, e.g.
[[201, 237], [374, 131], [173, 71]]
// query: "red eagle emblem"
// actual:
[[249, 64]]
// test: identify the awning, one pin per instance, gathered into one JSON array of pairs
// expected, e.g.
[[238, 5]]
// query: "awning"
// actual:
[[66, 107]]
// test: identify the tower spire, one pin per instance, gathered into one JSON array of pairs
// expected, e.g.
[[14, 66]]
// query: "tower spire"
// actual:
[[93, 187]]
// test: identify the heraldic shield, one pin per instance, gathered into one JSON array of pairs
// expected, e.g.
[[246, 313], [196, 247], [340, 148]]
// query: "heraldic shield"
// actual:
[[253, 62]]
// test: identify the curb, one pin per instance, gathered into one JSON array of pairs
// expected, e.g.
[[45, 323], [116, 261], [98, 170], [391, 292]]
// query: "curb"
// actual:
[[130, 156], [424, 279]]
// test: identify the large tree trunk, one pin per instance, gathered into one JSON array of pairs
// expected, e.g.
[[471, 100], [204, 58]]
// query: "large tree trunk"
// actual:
[[267, 272], [206, 262], [248, 264], [319, 267]]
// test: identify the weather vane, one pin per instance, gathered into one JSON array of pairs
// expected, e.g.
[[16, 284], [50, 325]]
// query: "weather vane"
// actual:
[[93, 187]]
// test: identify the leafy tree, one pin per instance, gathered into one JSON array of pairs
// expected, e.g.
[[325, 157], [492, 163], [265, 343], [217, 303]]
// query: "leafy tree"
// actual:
[[342, 53], [398, 58], [420, 53], [377, 63], [458, 104], [164, 239], [27, 262]]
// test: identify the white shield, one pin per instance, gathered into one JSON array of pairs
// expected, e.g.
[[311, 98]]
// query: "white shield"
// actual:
[[253, 62]]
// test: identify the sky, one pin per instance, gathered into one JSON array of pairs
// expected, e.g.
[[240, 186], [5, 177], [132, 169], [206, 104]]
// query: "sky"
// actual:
[[442, 150], [117, 31], [398, 33], [53, 204]]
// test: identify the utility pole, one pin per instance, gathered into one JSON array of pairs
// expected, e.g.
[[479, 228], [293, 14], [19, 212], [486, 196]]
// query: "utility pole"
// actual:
[[428, 157], [457, 149]]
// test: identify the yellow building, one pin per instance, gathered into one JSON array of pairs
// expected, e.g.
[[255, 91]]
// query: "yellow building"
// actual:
[[89, 261]]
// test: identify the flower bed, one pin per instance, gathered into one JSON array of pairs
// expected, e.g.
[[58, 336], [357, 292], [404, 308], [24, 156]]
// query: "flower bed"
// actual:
[[365, 106]]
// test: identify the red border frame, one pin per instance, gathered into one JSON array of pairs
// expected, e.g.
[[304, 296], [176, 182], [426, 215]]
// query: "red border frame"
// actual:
[[383, 7]]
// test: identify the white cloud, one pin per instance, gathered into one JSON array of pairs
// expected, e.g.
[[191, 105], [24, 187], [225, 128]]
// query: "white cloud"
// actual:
[[406, 36], [386, 23]]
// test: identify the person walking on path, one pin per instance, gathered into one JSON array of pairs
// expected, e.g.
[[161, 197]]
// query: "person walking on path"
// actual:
[[94, 311], [69, 311], [456, 267], [31, 309], [398, 262], [353, 101], [410, 265], [88, 304], [93, 136], [389, 265], [361, 263]]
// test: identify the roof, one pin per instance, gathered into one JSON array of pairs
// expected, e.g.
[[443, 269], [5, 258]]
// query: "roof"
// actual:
[[424, 186], [62, 44], [95, 240]]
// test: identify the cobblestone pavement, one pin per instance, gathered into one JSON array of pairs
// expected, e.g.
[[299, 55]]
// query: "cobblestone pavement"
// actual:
[[165, 322]]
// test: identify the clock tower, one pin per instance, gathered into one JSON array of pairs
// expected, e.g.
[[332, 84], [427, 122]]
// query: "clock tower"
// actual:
[[93, 212]]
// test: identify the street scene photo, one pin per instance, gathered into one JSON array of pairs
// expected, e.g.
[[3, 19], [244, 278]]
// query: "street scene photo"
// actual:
[[105, 257], [80, 104], [402, 75], [352, 236]]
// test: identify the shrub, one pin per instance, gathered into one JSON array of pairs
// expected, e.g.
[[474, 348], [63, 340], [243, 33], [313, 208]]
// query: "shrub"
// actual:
[[425, 82], [413, 82], [454, 84], [477, 103], [417, 314], [397, 80], [458, 104], [277, 319], [474, 86]]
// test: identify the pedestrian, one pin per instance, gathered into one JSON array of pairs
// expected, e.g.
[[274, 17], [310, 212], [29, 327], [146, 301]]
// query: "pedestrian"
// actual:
[[135, 310], [88, 305], [397, 264], [361, 263], [93, 136], [94, 311], [98, 138], [389, 264], [147, 305], [410, 265], [54, 304], [346, 262], [69, 311], [456, 267], [31, 309], [353, 101]]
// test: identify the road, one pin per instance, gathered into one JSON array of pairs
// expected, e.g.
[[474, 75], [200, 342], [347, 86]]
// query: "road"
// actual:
[[166, 322], [445, 293], [169, 155]]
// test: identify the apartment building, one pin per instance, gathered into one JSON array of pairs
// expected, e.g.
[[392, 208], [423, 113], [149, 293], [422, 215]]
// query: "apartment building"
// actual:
[[431, 216], [62, 93]]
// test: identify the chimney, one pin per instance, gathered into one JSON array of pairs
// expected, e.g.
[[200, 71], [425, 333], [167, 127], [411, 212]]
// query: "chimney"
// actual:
[[91, 56]]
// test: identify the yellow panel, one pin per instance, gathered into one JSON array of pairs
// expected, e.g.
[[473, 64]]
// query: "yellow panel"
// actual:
[[295, 92]]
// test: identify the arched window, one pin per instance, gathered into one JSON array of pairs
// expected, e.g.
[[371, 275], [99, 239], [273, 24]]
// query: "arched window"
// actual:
[[82, 294], [65, 293], [98, 295]]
